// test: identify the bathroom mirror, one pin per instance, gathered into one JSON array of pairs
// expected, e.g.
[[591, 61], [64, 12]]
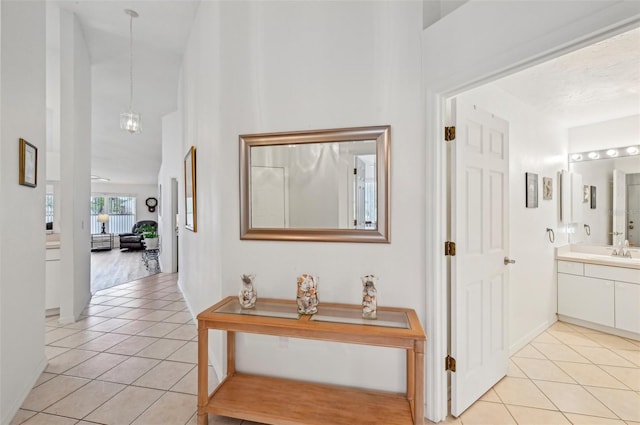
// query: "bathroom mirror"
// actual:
[[320, 185], [617, 215]]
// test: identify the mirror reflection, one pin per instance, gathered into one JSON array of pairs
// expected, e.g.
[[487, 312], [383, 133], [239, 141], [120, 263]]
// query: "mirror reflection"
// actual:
[[315, 185], [616, 217], [322, 185]]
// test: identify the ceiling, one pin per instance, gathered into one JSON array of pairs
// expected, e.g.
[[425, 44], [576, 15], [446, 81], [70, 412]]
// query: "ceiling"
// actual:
[[597, 83], [160, 34]]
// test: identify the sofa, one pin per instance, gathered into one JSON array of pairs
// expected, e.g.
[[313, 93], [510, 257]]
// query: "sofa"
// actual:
[[135, 240]]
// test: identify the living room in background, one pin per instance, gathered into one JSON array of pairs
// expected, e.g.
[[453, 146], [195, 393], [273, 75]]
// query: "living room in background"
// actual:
[[121, 210]]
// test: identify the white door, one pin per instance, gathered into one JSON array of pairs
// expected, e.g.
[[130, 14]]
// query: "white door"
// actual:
[[479, 278], [618, 231]]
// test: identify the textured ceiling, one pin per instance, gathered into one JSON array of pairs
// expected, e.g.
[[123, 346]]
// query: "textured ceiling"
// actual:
[[597, 83]]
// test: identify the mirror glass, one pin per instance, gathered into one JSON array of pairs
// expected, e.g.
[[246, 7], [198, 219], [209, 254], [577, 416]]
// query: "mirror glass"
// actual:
[[327, 185], [616, 215]]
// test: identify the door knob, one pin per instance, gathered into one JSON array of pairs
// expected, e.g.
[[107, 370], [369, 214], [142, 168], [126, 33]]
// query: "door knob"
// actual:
[[508, 260]]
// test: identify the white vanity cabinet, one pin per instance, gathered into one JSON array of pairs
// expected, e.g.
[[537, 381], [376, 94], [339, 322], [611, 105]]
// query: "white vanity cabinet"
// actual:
[[603, 295], [627, 297]]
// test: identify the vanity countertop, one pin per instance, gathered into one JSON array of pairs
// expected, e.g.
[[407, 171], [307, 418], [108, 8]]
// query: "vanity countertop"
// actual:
[[596, 255]]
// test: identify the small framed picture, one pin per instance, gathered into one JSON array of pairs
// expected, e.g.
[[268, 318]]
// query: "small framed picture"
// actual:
[[586, 194], [190, 217], [28, 169], [593, 197], [547, 188], [532, 190]]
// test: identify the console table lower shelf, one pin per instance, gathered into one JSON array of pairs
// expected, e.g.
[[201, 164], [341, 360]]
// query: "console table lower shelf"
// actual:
[[284, 401], [280, 401]]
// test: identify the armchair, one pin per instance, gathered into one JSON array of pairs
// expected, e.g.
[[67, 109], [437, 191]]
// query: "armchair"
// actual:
[[134, 240]]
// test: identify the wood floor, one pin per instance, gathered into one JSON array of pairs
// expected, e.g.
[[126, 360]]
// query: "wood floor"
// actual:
[[110, 268]]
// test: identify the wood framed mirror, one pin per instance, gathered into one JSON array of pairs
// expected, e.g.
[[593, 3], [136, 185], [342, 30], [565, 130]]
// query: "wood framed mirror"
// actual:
[[319, 185]]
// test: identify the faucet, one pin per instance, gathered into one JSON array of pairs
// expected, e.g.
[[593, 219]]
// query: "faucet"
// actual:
[[623, 251]]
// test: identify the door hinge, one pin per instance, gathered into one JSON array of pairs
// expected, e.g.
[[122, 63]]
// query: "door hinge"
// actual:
[[450, 364], [355, 222], [449, 248], [449, 133], [355, 171]]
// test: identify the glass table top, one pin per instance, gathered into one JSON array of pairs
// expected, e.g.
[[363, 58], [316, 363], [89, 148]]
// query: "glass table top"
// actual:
[[392, 319]]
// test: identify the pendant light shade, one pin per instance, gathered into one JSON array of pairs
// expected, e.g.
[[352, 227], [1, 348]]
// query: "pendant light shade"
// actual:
[[131, 121]]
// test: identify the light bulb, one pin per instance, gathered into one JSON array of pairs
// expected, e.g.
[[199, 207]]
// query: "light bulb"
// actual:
[[593, 155], [612, 152], [632, 150], [576, 157]]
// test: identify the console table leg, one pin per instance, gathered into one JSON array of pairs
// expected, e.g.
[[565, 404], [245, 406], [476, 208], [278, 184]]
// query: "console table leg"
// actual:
[[203, 374], [418, 417], [231, 353], [411, 375]]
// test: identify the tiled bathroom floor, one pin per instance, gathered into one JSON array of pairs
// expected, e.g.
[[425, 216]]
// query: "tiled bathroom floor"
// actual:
[[132, 360]]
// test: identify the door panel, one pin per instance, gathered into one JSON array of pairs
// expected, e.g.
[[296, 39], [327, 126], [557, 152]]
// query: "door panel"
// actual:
[[479, 226]]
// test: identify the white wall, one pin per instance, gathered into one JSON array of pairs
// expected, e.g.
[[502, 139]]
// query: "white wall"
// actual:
[[607, 134], [75, 162], [349, 64], [171, 168], [537, 144], [22, 240], [140, 191]]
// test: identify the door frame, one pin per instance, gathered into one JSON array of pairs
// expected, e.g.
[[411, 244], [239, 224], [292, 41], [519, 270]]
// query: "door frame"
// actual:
[[540, 40]]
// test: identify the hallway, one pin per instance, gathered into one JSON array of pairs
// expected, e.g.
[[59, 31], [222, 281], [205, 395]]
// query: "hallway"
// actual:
[[132, 360]]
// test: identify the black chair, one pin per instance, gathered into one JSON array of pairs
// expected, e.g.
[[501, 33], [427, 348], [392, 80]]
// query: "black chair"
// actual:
[[134, 240]]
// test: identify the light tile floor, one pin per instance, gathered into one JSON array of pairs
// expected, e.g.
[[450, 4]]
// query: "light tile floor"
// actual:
[[131, 359]]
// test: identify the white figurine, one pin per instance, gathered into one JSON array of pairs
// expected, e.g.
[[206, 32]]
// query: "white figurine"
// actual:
[[307, 295], [248, 295], [369, 297]]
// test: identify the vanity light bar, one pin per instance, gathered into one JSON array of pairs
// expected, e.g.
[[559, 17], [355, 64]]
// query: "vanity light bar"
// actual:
[[604, 154]]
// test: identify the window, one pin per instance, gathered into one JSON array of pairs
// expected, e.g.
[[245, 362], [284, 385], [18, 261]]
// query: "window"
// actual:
[[121, 211]]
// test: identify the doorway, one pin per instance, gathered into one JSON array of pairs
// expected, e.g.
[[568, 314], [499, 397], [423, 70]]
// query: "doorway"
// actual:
[[490, 56]]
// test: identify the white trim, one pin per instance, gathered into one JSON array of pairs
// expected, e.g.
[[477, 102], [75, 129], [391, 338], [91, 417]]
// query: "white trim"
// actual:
[[213, 360], [520, 344], [561, 38], [23, 392]]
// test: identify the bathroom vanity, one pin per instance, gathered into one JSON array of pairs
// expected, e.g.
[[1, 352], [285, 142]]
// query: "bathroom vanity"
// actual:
[[599, 290]]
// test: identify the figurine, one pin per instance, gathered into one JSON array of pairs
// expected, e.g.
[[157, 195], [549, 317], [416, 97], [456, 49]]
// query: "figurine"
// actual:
[[307, 296], [369, 297], [248, 295]]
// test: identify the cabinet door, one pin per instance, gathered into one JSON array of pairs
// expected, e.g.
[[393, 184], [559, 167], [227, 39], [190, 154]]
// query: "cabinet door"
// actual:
[[627, 297], [586, 298]]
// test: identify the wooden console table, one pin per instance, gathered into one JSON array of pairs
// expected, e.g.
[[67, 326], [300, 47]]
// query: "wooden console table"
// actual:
[[285, 401]]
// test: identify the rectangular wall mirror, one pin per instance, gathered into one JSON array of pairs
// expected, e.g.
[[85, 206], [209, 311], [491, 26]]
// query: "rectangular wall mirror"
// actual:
[[319, 185]]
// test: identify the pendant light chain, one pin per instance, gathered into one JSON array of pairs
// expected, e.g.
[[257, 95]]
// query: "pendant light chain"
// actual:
[[131, 63], [130, 120]]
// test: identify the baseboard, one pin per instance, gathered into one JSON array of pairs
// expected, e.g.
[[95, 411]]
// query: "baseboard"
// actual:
[[213, 360], [530, 336], [23, 392], [601, 328], [52, 312]]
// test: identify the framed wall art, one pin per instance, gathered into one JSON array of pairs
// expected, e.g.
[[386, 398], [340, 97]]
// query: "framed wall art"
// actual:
[[593, 197], [28, 168], [190, 210], [547, 188], [532, 190]]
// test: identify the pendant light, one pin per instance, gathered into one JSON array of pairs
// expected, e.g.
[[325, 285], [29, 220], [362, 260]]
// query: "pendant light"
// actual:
[[130, 120]]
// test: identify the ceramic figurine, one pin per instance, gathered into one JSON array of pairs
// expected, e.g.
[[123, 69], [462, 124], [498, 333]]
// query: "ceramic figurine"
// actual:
[[307, 294], [248, 295], [369, 297]]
